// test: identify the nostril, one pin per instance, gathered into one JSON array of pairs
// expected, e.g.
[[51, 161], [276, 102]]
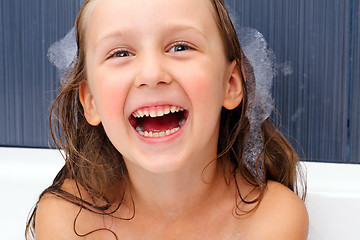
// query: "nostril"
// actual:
[[163, 82]]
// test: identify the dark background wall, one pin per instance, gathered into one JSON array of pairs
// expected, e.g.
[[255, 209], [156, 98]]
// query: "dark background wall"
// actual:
[[317, 89], [28, 81]]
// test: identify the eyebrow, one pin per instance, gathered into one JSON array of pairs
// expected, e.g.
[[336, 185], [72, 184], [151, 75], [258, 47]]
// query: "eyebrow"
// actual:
[[184, 27], [169, 28], [112, 35]]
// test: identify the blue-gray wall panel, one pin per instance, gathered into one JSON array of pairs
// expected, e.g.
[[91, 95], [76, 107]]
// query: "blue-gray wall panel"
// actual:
[[355, 89], [28, 81], [2, 79], [312, 37]]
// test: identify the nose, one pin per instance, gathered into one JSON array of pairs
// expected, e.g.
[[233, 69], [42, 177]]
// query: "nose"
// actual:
[[152, 70]]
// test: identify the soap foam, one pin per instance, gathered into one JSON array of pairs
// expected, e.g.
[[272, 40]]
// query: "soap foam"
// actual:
[[260, 100], [63, 52]]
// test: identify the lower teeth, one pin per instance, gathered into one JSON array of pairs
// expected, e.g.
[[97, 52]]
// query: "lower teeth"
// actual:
[[157, 134]]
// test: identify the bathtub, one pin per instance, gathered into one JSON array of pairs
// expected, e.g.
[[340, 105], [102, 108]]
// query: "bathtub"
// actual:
[[333, 199]]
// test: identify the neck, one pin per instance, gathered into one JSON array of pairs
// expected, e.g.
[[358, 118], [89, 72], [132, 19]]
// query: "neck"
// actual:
[[178, 194]]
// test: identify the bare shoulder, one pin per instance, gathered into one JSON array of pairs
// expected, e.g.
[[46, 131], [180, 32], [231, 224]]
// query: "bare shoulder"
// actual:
[[281, 215], [55, 217]]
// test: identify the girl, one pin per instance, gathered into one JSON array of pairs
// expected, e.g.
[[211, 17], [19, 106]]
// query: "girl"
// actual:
[[154, 123]]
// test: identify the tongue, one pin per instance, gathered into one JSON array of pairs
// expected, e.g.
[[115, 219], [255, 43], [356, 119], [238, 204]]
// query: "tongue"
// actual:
[[160, 124]]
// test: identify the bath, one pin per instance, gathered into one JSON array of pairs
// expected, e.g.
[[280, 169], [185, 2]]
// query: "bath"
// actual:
[[333, 199]]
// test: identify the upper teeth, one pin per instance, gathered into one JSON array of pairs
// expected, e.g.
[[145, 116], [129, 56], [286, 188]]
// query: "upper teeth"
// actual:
[[156, 112]]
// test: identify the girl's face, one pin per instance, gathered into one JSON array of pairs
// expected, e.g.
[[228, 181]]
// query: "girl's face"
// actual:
[[165, 59]]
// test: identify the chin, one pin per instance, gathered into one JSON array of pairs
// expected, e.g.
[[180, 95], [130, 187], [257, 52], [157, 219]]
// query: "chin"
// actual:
[[162, 165]]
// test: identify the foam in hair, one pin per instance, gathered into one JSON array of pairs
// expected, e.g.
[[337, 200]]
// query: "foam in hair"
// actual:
[[260, 101], [63, 52]]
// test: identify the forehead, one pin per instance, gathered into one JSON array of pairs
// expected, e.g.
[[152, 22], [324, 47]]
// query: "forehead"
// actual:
[[106, 16], [125, 8]]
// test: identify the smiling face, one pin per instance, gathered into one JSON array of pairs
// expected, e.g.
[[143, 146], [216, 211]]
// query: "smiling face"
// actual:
[[157, 78]]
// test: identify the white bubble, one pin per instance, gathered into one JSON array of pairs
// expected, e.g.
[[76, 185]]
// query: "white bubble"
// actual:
[[286, 68], [297, 114]]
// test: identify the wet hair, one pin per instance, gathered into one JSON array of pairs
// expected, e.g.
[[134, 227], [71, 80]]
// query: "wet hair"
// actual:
[[97, 168]]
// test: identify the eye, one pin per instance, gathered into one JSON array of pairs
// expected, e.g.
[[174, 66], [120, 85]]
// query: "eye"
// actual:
[[120, 53], [179, 47]]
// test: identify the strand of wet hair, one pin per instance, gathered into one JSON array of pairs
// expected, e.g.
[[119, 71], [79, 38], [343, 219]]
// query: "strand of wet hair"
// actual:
[[81, 204]]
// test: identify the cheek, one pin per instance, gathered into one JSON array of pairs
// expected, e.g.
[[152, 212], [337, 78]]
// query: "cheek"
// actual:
[[205, 88], [109, 97]]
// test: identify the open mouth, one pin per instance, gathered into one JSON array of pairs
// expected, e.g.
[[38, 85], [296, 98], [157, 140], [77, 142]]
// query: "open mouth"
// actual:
[[158, 121]]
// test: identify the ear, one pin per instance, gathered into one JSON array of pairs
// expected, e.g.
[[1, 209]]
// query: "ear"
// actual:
[[233, 88], [88, 103]]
